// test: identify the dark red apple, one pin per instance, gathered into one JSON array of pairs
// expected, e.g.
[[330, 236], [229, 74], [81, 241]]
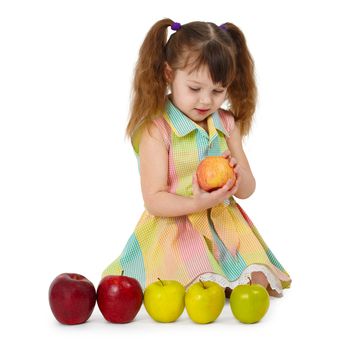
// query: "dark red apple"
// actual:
[[72, 298], [119, 298]]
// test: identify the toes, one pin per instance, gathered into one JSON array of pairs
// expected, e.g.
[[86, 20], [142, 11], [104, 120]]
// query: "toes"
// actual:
[[273, 292]]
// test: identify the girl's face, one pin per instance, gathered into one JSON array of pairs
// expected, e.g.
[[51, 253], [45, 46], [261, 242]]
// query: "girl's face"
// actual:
[[194, 93]]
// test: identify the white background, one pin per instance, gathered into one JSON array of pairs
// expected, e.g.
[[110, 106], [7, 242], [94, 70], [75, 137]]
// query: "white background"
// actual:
[[70, 194]]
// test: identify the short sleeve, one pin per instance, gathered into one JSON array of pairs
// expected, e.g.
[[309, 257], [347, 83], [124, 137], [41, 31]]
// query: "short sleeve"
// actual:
[[228, 120], [162, 126], [164, 129], [135, 140]]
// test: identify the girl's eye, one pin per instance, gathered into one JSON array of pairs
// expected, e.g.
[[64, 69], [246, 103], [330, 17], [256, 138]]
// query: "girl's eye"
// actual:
[[215, 91]]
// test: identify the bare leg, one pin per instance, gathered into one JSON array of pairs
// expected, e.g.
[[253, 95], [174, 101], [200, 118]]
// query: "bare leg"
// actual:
[[257, 277], [260, 278], [273, 292]]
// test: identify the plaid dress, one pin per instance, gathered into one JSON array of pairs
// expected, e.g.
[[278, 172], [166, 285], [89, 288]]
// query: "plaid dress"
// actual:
[[219, 244]]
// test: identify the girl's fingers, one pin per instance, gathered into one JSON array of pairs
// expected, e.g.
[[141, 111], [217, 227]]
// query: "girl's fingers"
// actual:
[[220, 191], [228, 184], [233, 161], [234, 189], [226, 153], [195, 185], [238, 178]]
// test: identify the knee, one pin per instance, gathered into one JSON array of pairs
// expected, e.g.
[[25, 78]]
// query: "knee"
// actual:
[[259, 277]]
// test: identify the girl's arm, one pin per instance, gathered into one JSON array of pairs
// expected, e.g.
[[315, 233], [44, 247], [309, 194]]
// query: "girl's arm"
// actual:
[[247, 181], [154, 178], [154, 182]]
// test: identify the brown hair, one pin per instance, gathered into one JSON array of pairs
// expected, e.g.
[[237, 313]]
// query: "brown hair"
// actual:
[[223, 49]]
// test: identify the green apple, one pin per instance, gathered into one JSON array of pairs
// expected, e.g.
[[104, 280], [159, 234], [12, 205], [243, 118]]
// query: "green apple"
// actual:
[[249, 302], [204, 301], [164, 300]]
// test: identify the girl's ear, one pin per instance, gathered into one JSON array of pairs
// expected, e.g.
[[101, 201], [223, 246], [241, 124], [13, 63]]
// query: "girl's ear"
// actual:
[[168, 72]]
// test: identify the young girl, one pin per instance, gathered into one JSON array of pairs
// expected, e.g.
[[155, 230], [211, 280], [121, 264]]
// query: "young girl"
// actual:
[[185, 233]]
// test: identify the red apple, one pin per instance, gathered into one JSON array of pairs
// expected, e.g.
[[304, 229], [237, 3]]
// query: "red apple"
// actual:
[[119, 298], [213, 172], [72, 298]]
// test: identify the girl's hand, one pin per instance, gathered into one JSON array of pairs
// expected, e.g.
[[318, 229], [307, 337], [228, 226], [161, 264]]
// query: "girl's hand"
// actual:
[[204, 200], [234, 165]]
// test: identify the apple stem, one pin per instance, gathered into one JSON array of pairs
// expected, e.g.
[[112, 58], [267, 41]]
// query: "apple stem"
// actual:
[[161, 281], [203, 284], [122, 273], [250, 281]]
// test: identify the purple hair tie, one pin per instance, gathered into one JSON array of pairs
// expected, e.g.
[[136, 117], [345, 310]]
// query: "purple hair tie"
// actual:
[[223, 27], [176, 26]]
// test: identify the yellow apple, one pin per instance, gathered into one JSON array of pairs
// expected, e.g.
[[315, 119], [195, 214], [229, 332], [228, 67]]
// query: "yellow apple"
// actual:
[[204, 301], [164, 300], [249, 303]]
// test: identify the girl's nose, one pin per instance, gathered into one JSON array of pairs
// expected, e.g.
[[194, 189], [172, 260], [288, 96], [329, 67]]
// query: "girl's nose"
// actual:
[[205, 99]]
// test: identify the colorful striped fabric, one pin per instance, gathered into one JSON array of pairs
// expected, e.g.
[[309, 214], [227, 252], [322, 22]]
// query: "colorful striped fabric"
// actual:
[[220, 243]]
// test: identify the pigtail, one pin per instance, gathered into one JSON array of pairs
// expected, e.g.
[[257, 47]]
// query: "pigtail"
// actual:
[[149, 85], [242, 93]]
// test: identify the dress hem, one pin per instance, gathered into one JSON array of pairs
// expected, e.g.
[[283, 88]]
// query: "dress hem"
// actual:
[[244, 278]]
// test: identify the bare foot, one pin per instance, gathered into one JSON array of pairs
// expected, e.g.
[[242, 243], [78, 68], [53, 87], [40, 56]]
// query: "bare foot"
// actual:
[[258, 277], [273, 293]]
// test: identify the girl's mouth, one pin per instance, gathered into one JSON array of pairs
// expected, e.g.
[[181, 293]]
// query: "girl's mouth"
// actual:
[[202, 111]]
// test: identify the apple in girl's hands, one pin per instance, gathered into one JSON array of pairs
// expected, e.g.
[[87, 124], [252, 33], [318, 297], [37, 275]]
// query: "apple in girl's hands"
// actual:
[[204, 301], [119, 298], [213, 172], [165, 300], [72, 298], [249, 303]]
